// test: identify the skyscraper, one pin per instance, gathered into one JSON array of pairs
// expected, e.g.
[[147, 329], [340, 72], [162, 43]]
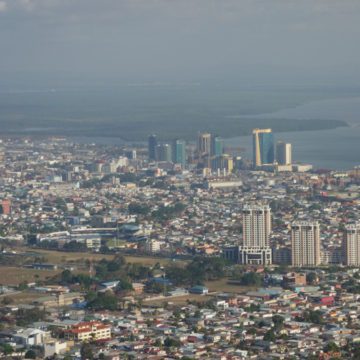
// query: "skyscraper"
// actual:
[[223, 163], [256, 225], [179, 152], [217, 146], [255, 249], [263, 147], [305, 244], [152, 143], [283, 153], [204, 144], [163, 152], [351, 245]]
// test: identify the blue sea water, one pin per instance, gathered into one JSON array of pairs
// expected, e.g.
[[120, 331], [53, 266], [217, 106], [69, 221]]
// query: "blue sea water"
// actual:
[[331, 149]]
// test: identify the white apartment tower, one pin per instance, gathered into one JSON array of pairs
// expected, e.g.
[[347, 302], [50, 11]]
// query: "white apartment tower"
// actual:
[[256, 225], [255, 249], [305, 244], [283, 153], [351, 245]]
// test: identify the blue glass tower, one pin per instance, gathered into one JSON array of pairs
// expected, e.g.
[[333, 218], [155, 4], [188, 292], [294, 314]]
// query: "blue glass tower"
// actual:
[[217, 146], [179, 152], [263, 147]]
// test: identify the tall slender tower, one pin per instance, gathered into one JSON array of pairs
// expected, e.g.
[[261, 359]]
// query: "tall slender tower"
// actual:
[[351, 245], [152, 143], [217, 146], [204, 144], [305, 244], [283, 153], [263, 147], [179, 152], [256, 225], [163, 152]]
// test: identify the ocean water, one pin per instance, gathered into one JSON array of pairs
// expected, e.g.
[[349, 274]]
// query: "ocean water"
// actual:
[[331, 149]]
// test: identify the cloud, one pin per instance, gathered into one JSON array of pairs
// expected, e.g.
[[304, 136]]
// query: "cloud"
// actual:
[[3, 6]]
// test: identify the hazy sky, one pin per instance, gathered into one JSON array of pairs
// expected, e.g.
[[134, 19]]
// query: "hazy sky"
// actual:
[[172, 40]]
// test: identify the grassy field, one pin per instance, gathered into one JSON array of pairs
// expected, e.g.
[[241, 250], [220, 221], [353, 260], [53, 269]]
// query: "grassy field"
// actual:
[[62, 258], [16, 275], [223, 286], [25, 297], [178, 300]]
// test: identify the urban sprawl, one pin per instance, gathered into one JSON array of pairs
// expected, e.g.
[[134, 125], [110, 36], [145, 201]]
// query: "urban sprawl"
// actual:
[[175, 250]]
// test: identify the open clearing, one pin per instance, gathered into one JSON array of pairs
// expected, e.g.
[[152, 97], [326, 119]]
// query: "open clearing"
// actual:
[[25, 297], [62, 258], [16, 275], [224, 286]]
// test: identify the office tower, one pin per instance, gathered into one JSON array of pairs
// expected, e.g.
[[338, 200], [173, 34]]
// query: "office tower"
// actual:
[[152, 144], [305, 244], [223, 163], [204, 144], [351, 245], [283, 153], [256, 225], [217, 146], [130, 154], [163, 152], [263, 147], [179, 152]]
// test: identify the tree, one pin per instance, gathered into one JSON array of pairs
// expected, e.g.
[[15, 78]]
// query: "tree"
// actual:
[[251, 279], [125, 285], [30, 354], [170, 342], [7, 349], [278, 321], [104, 301], [251, 331], [86, 352], [66, 277], [7, 300], [331, 347], [312, 316], [25, 317], [75, 246], [139, 209], [311, 278], [23, 286], [270, 336]]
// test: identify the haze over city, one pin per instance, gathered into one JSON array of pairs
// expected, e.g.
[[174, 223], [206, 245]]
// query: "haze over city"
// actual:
[[89, 42], [179, 179]]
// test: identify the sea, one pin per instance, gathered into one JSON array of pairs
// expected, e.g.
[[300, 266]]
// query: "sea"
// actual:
[[336, 149]]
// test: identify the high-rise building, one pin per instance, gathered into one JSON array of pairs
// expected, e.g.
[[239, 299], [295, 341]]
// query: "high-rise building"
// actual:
[[256, 225], [204, 144], [263, 147], [217, 146], [179, 152], [130, 154], [255, 249], [152, 144], [351, 245], [283, 153], [223, 163], [305, 244], [163, 152]]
